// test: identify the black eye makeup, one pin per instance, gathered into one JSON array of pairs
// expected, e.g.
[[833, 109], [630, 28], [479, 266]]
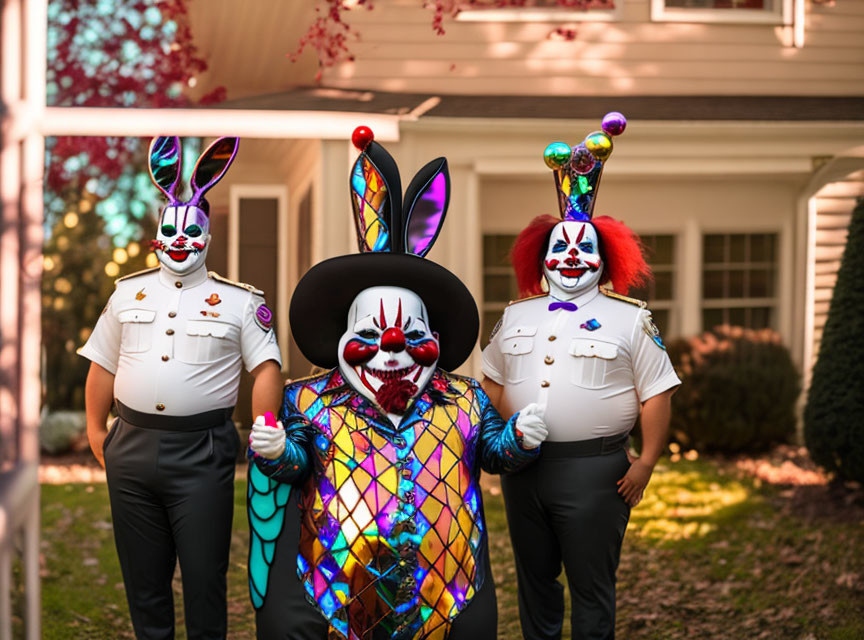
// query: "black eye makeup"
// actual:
[[369, 334], [414, 334], [193, 231], [169, 230]]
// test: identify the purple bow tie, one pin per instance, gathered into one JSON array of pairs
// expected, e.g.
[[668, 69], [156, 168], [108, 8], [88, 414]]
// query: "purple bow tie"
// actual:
[[567, 306]]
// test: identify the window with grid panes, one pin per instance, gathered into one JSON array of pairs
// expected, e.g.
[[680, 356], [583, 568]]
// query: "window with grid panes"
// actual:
[[731, 11], [499, 281], [739, 280], [660, 294]]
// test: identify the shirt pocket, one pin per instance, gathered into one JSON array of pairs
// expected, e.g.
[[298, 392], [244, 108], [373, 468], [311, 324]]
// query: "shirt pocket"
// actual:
[[136, 334], [517, 343], [206, 341], [591, 360]]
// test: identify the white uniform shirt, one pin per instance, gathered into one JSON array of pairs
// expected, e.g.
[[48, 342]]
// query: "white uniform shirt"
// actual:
[[176, 343], [591, 381]]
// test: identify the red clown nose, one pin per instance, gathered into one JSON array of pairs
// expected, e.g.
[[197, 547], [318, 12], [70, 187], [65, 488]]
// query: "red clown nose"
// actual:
[[393, 340]]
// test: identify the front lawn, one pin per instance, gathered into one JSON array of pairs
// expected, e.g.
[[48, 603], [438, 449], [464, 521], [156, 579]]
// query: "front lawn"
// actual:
[[712, 552]]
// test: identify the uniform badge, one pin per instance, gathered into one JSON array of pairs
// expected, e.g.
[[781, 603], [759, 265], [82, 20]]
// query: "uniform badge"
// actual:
[[211, 314], [213, 300], [496, 329], [652, 330], [264, 317], [590, 325], [140, 295]]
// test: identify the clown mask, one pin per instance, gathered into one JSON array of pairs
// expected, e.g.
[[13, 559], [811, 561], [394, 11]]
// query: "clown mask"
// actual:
[[388, 352], [572, 264], [182, 238]]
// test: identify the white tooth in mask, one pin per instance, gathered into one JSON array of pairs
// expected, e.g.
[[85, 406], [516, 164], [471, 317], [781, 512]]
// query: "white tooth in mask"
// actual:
[[183, 238], [572, 264], [388, 348]]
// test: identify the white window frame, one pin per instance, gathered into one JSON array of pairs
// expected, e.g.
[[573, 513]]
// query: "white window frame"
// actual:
[[278, 192], [775, 301], [781, 14], [540, 14], [673, 304]]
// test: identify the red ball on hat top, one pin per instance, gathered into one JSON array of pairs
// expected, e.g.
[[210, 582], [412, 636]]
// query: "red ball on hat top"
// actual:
[[361, 137]]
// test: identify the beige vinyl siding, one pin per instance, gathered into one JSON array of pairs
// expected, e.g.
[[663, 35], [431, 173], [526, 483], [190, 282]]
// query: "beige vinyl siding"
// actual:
[[834, 205], [399, 51]]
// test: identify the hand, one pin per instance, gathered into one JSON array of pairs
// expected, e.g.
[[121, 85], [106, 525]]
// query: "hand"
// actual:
[[265, 440], [632, 486], [531, 425], [97, 445]]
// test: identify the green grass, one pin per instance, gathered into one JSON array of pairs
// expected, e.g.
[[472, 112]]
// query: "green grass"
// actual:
[[707, 555]]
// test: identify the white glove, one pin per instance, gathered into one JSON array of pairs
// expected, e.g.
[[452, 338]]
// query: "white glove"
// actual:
[[530, 424], [268, 442]]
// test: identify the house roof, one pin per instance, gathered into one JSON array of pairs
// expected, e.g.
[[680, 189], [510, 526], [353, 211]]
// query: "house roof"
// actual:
[[766, 108]]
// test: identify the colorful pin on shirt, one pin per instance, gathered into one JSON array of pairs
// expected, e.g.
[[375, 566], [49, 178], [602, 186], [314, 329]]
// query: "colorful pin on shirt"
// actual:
[[590, 325], [211, 314], [140, 295], [213, 300], [264, 317]]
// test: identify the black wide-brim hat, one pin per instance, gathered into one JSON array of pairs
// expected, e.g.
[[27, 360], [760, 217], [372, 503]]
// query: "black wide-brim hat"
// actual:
[[323, 297]]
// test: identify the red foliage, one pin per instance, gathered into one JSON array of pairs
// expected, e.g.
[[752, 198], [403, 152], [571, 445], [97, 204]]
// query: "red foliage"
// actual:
[[623, 260], [80, 78], [328, 35]]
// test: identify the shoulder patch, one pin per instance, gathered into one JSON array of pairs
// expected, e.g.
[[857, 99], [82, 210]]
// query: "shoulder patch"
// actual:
[[651, 329], [241, 285], [539, 295], [136, 274], [496, 328], [617, 296]]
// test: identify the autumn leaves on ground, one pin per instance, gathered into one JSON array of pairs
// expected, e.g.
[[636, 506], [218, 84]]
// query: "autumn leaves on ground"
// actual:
[[737, 549]]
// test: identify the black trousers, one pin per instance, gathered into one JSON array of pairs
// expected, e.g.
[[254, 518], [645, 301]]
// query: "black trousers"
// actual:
[[567, 510], [172, 496], [288, 615]]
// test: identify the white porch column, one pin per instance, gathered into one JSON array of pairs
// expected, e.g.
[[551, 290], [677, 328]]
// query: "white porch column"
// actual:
[[690, 259]]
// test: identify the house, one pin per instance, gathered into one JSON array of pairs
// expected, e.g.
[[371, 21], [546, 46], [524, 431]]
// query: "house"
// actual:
[[741, 163]]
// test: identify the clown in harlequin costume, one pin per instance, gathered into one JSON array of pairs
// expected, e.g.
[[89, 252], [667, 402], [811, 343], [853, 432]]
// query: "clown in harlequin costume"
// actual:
[[594, 359], [167, 351], [383, 535]]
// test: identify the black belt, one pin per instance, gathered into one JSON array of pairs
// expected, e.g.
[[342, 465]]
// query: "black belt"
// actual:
[[583, 448], [195, 422]]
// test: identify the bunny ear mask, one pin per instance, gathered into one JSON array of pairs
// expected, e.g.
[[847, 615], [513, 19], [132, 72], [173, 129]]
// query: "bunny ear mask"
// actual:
[[165, 160], [427, 198], [211, 166]]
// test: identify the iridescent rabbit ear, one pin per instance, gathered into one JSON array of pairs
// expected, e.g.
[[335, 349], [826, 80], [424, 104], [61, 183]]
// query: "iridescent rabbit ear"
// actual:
[[376, 199], [165, 164], [211, 166], [426, 201]]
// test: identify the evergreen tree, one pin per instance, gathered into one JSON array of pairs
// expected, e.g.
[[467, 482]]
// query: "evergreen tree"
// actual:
[[834, 416]]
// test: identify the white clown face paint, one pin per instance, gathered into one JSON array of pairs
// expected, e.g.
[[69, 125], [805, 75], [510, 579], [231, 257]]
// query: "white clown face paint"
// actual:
[[572, 264], [182, 238], [388, 352]]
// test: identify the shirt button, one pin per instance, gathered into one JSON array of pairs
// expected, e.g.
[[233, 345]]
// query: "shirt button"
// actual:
[[160, 407], [169, 332], [164, 358], [552, 338], [406, 473], [544, 384], [548, 359], [178, 284], [172, 314]]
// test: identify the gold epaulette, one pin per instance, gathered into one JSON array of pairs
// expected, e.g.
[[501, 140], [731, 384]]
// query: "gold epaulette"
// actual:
[[617, 296], [136, 274], [242, 285], [539, 295]]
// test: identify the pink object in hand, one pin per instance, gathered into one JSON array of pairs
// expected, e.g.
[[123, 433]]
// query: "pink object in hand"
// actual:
[[270, 419]]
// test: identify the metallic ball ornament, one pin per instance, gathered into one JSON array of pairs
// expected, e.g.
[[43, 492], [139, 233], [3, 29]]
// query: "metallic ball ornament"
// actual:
[[361, 137], [614, 123], [582, 161], [557, 155], [599, 144]]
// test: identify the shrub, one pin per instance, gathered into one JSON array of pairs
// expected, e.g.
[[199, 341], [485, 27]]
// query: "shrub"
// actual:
[[60, 430], [738, 393], [834, 416]]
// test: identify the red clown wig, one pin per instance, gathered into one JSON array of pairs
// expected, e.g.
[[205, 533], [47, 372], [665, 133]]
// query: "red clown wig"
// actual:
[[623, 261]]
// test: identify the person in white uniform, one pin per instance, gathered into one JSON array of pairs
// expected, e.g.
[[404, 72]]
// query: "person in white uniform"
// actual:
[[168, 351], [594, 360]]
